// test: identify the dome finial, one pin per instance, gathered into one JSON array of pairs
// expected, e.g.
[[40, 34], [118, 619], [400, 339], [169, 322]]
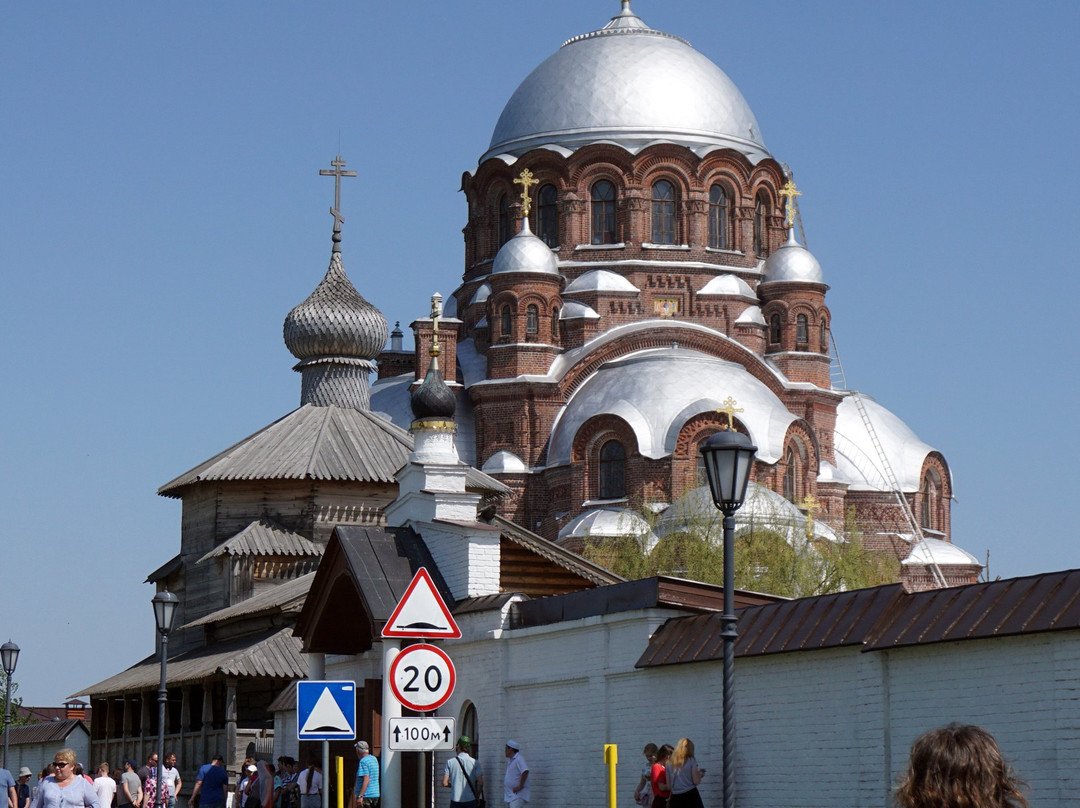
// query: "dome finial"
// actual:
[[335, 211], [436, 312], [433, 402]]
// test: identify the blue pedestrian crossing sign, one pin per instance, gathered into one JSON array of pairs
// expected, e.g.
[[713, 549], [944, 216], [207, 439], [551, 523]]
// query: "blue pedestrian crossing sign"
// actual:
[[325, 711]]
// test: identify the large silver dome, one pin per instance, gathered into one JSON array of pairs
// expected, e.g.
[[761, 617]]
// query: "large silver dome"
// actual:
[[631, 85]]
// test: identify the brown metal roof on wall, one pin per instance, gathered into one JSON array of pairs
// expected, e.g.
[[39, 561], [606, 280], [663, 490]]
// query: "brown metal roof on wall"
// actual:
[[878, 618], [43, 732]]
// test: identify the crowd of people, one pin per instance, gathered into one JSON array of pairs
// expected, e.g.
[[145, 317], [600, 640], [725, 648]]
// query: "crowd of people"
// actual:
[[956, 766]]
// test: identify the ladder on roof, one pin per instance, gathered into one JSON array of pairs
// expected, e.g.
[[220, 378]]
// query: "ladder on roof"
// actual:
[[884, 467]]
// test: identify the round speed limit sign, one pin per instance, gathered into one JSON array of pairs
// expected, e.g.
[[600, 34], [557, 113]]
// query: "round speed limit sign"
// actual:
[[422, 677]]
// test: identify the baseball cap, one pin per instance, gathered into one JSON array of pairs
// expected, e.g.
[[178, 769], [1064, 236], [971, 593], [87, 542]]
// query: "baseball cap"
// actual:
[[514, 745]]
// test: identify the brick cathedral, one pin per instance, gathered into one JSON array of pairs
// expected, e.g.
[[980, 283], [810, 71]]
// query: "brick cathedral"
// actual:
[[633, 283]]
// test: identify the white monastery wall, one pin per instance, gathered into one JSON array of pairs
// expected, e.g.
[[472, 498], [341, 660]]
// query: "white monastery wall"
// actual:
[[830, 727]]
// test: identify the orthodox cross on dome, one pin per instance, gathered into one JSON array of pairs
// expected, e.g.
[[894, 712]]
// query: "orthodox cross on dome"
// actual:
[[335, 211], [526, 181], [730, 409], [789, 191], [436, 312]]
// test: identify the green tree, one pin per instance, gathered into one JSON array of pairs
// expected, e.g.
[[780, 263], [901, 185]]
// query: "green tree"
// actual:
[[774, 554], [14, 714]]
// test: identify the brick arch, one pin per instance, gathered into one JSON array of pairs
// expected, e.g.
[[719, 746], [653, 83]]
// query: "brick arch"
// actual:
[[658, 168], [934, 465], [599, 153], [729, 162], [711, 344], [584, 181], [598, 429], [799, 436], [700, 427], [546, 166]]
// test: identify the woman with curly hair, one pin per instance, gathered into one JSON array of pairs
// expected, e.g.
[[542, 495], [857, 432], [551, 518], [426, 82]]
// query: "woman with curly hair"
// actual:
[[958, 766]]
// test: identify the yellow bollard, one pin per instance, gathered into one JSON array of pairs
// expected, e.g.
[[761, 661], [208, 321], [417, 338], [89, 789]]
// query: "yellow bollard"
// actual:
[[611, 758], [340, 763]]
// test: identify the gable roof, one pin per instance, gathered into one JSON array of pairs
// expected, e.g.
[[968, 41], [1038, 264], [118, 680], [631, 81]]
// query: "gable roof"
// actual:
[[283, 598], [265, 537], [563, 560], [364, 573], [43, 732], [878, 619]]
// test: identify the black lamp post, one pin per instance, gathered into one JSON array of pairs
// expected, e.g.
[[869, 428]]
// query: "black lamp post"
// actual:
[[9, 657], [165, 603], [729, 458]]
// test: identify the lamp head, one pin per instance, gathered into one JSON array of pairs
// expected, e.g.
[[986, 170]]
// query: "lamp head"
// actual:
[[165, 603], [729, 458], [9, 656]]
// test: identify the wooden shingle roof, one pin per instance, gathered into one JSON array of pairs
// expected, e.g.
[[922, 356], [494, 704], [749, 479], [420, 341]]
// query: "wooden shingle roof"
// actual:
[[266, 537]]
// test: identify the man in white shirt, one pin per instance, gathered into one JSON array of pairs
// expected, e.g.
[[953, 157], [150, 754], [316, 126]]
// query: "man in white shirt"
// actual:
[[516, 781], [104, 786], [173, 783]]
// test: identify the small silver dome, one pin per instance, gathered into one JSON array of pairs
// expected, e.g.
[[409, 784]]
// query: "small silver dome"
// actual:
[[629, 84], [335, 320], [792, 263], [525, 253]]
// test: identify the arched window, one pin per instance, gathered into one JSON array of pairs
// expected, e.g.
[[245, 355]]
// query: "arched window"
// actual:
[[603, 213], [470, 727], [504, 218], [547, 216], [663, 213], [506, 321], [532, 319], [823, 336], [760, 225], [555, 325], [612, 470], [802, 330], [789, 475], [774, 329], [931, 500], [719, 218]]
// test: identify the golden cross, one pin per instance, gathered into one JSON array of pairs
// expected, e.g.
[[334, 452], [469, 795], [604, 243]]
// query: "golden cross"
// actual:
[[526, 180], [730, 408], [810, 503], [789, 191]]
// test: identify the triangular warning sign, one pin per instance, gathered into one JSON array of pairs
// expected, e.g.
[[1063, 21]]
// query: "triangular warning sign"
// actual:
[[421, 612], [326, 716]]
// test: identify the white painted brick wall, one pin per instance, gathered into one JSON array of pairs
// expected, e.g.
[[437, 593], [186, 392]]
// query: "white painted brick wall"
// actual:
[[818, 728]]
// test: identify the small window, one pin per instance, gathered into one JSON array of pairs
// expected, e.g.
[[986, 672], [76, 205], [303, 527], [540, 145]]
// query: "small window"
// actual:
[[504, 219], [663, 213], [532, 319], [719, 218], [547, 216], [603, 213], [802, 330], [612, 470], [760, 225], [506, 319], [931, 501], [774, 329], [555, 325], [823, 336]]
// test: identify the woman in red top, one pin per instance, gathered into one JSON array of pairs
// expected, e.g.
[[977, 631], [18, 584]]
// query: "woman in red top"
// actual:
[[660, 787]]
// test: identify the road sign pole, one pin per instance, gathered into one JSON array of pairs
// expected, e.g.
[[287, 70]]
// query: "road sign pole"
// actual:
[[390, 782], [326, 774]]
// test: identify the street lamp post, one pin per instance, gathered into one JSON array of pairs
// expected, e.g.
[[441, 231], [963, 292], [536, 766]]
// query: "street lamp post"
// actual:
[[9, 657], [729, 458], [165, 603]]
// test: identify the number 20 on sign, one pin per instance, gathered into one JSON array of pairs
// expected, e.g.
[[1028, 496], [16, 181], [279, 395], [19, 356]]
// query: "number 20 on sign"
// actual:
[[422, 677]]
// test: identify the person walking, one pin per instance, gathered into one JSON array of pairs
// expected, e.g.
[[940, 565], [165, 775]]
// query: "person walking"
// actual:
[[104, 786], [516, 780], [64, 789], [959, 766], [367, 777], [684, 775], [658, 777], [310, 783], [22, 788], [7, 785], [210, 784], [129, 792], [463, 776]]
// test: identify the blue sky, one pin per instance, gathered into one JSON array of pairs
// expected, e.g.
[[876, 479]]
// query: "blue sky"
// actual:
[[161, 211]]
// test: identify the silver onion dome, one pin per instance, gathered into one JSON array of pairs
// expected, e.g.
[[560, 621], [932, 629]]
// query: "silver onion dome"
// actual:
[[628, 84], [525, 253], [335, 320], [792, 262]]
